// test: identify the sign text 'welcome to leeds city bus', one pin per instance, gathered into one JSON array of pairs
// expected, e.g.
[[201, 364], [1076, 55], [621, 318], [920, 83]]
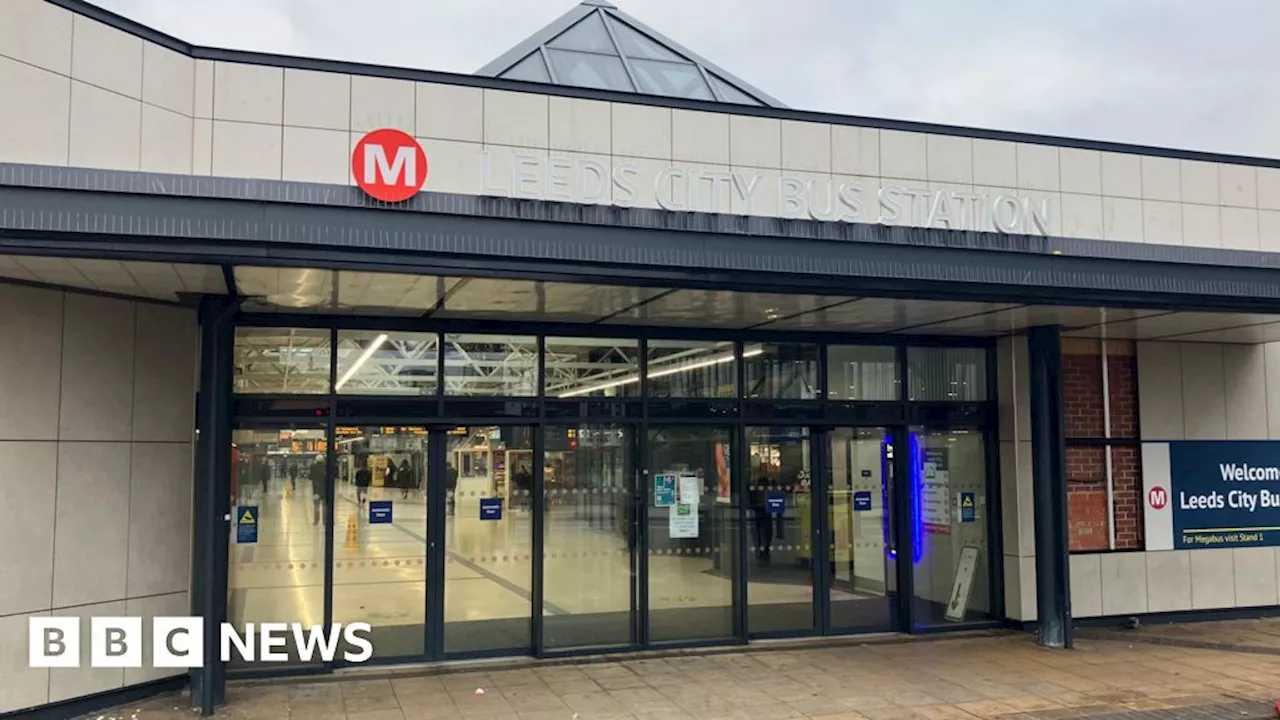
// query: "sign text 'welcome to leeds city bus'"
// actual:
[[178, 642]]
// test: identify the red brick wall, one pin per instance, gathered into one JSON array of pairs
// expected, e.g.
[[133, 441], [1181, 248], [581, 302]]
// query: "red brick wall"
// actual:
[[1086, 464]]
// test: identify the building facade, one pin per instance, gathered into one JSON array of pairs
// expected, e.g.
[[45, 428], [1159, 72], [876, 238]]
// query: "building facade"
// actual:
[[601, 348]]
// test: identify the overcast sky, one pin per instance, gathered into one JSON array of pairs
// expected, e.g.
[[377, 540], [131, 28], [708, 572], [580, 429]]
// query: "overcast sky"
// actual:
[[1179, 73]]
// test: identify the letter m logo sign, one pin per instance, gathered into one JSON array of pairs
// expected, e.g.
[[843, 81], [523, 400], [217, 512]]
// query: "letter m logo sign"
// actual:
[[389, 165]]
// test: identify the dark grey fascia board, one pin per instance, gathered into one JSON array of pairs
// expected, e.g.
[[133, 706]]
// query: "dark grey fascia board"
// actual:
[[506, 60], [162, 188], [87, 9]]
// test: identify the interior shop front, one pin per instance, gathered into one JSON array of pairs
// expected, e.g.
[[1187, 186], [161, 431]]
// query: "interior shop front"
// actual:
[[476, 490]]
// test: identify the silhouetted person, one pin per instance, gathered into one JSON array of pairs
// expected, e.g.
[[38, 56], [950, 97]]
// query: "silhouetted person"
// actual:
[[451, 487], [364, 478]]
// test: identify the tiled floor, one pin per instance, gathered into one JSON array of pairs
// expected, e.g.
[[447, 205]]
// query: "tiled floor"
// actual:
[[1004, 676]]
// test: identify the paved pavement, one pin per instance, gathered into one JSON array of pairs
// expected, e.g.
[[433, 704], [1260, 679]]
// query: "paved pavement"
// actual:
[[1108, 676]]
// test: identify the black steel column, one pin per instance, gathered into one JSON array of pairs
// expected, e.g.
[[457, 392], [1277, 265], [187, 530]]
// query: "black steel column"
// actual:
[[212, 495], [1049, 487]]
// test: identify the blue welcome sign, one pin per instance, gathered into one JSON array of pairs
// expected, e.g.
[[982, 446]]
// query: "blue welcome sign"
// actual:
[[1222, 494]]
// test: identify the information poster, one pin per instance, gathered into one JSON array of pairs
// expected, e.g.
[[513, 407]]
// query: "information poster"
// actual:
[[664, 490], [683, 521], [935, 494], [1220, 494], [690, 489]]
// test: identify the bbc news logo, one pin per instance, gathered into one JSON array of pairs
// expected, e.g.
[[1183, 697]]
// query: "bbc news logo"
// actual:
[[178, 642]]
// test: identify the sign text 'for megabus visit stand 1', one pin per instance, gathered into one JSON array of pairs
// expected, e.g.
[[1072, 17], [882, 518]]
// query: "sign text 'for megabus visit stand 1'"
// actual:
[[1211, 494], [391, 166]]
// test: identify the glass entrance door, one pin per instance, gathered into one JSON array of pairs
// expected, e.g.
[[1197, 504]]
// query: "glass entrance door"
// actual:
[[860, 530]]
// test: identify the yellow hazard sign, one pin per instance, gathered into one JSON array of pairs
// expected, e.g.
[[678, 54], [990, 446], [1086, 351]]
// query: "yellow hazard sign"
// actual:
[[247, 518], [966, 500]]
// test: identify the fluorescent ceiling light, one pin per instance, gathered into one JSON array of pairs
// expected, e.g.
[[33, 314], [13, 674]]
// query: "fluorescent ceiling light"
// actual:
[[719, 360], [364, 358]]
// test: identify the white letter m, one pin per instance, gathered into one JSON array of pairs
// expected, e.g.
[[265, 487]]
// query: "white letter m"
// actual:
[[375, 161]]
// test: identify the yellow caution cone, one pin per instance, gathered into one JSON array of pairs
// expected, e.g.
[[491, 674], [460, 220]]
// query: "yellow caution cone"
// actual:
[[353, 535]]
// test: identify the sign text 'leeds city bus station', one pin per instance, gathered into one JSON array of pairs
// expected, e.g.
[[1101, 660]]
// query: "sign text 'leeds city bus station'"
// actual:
[[681, 189]]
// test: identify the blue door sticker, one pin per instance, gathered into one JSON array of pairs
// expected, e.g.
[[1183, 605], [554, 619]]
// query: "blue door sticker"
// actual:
[[490, 508], [247, 524], [379, 512], [776, 502], [968, 507], [862, 501]]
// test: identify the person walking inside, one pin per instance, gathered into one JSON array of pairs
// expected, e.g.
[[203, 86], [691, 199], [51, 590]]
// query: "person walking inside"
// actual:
[[316, 475], [364, 478]]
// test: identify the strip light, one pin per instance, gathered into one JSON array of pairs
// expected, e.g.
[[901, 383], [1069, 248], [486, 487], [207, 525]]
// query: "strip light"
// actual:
[[364, 358], [662, 373]]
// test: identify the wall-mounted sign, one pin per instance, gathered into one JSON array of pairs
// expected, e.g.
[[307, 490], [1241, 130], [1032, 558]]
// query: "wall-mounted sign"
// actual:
[[968, 505], [389, 165], [682, 521], [664, 490], [1211, 494], [935, 484], [744, 192], [862, 501]]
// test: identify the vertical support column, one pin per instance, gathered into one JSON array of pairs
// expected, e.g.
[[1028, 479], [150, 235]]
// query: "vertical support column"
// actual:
[[1049, 486], [212, 495]]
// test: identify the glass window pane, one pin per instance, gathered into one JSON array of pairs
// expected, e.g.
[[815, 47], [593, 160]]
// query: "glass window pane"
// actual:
[[670, 79], [490, 365], [276, 561], [592, 367], [587, 554], [862, 372], [780, 575], [731, 93], [781, 371], [588, 35], [292, 361], [692, 369], [380, 569], [862, 586], [377, 363], [593, 71], [488, 585], [693, 534], [947, 374], [949, 471], [636, 44], [531, 69]]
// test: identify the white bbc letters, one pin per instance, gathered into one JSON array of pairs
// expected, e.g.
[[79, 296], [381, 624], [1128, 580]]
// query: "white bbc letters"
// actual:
[[115, 642], [177, 642], [53, 642]]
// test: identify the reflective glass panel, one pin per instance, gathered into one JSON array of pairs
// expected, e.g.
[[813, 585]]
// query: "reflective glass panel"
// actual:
[[862, 572], [780, 371], [636, 44], [862, 372], [729, 93], [490, 365], [387, 363], [531, 69], [947, 374], [670, 79], [592, 367], [952, 573], [380, 543], [590, 70], [276, 555], [282, 361], [780, 570], [589, 538], [693, 534], [588, 35], [488, 585], [692, 369]]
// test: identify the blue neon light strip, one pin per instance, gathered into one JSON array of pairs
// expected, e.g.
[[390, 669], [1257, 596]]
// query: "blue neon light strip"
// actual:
[[916, 486]]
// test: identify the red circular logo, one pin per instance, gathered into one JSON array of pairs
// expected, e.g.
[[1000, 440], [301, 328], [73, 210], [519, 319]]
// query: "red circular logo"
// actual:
[[389, 165], [1157, 497]]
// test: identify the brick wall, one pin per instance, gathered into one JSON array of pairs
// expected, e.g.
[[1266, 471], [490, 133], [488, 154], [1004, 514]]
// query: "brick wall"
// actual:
[[1086, 464]]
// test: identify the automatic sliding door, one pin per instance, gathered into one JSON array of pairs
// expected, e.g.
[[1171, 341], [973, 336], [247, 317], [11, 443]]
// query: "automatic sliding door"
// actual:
[[590, 537], [780, 516], [488, 540], [380, 536], [862, 567], [693, 534]]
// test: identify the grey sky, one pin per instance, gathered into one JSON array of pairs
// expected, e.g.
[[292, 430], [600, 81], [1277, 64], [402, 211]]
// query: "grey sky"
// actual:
[[1178, 73]]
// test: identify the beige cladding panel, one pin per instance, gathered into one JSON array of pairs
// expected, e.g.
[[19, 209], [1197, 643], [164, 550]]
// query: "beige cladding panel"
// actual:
[[95, 96]]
